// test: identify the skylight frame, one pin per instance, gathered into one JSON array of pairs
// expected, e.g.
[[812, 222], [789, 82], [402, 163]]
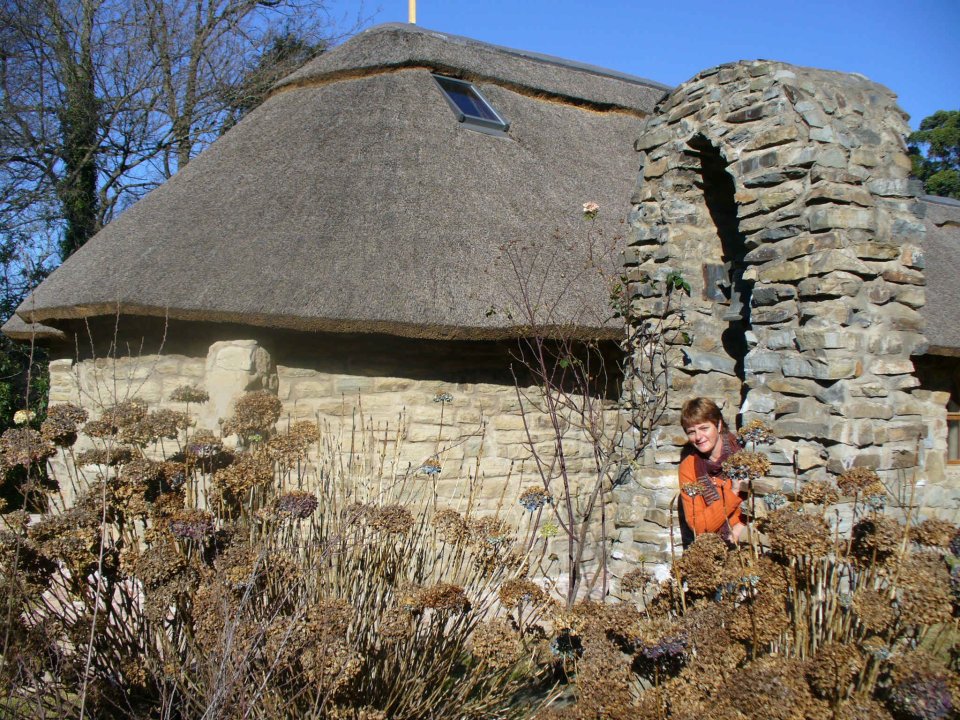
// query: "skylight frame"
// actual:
[[494, 123]]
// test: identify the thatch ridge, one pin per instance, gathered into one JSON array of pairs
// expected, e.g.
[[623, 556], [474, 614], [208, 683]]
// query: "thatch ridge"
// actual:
[[396, 45]]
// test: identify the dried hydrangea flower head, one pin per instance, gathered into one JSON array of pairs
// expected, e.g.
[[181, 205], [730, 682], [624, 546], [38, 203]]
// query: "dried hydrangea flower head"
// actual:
[[111, 456], [248, 471], [431, 466], [254, 415], [189, 394], [520, 590], [875, 538], [756, 432], [293, 445], [444, 597], [297, 504], [157, 425], [832, 670], [859, 480], [700, 565], [924, 595], [390, 519], [490, 532], [451, 526], [819, 492], [796, 534], [24, 446], [61, 424], [497, 643], [873, 609], [922, 687], [204, 445], [746, 466], [534, 498], [934, 532], [196, 525], [635, 580]]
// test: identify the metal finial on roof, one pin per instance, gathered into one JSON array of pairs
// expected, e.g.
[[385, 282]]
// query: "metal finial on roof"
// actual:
[[412, 11]]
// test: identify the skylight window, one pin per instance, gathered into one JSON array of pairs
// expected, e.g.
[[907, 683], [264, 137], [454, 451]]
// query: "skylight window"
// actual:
[[470, 107]]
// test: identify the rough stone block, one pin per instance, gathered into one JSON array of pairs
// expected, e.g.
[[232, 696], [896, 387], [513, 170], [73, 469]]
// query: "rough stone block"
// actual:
[[829, 217], [774, 314], [809, 368], [833, 284], [779, 272], [697, 361], [840, 193], [822, 340], [773, 136]]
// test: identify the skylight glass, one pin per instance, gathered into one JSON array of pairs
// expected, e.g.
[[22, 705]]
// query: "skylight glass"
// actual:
[[470, 107]]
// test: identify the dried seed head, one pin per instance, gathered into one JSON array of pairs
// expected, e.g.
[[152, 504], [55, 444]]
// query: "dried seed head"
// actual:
[[297, 504], [497, 643], [514, 592], [635, 580], [746, 465], [833, 669], [873, 609], [60, 427], [254, 414], [248, 471], [444, 597], [934, 532], [796, 534], [534, 498], [857, 480], [924, 590], [701, 563], [393, 519], [24, 446], [196, 525], [112, 456], [757, 432], [294, 445], [189, 394], [451, 526], [819, 492], [876, 539]]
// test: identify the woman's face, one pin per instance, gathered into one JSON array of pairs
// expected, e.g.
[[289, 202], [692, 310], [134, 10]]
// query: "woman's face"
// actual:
[[704, 436]]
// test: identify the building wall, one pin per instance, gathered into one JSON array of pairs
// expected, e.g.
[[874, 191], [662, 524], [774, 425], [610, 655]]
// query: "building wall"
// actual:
[[385, 406]]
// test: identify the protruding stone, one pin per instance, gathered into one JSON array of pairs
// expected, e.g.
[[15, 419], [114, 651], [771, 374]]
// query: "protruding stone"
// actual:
[[833, 284], [829, 217]]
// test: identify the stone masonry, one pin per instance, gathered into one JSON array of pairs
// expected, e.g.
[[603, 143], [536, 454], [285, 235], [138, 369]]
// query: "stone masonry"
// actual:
[[376, 427], [782, 196]]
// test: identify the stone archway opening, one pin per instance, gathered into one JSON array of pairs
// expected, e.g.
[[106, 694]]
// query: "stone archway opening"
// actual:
[[724, 282]]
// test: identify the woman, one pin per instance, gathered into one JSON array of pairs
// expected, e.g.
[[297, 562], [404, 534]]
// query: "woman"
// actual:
[[711, 502]]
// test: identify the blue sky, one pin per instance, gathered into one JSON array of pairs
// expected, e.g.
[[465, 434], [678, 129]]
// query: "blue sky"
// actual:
[[912, 47]]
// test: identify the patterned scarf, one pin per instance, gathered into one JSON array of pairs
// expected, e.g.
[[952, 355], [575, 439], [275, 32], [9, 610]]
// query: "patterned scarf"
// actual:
[[707, 469]]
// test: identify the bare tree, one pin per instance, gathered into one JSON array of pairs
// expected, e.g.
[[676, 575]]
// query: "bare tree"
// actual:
[[607, 396], [102, 100]]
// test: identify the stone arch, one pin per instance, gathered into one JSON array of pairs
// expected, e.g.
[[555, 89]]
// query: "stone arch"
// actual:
[[822, 226]]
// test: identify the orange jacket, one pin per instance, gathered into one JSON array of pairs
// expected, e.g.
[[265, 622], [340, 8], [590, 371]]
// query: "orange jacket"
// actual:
[[700, 516]]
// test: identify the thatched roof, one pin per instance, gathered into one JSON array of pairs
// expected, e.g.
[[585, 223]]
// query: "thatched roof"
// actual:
[[941, 250], [353, 201], [18, 329]]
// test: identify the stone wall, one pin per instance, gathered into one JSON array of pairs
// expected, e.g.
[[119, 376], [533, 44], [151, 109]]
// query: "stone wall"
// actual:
[[782, 196], [387, 407]]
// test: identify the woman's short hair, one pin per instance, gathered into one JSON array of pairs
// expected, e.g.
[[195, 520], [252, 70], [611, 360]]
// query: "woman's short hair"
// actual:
[[699, 410]]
